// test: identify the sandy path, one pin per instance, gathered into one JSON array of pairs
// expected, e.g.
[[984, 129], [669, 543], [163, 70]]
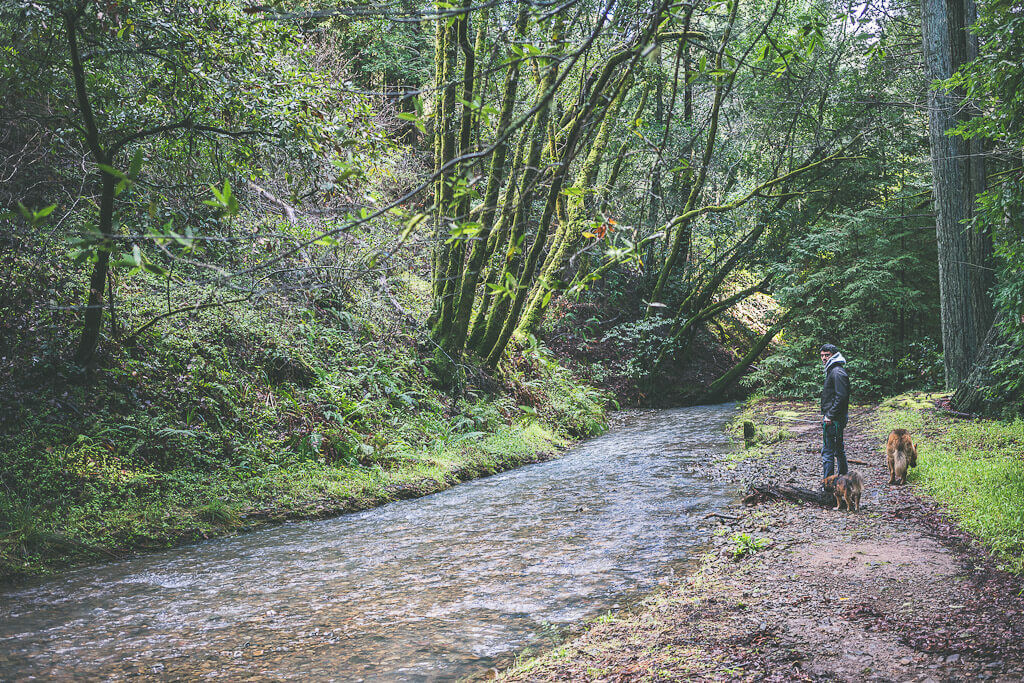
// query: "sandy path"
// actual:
[[893, 593]]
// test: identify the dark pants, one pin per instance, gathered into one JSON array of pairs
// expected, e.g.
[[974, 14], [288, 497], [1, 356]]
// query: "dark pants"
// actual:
[[832, 448]]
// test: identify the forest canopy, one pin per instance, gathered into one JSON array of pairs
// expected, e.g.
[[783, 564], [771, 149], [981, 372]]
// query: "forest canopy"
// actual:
[[633, 182]]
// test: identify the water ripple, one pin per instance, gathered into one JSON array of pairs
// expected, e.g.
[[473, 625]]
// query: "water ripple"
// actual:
[[416, 590]]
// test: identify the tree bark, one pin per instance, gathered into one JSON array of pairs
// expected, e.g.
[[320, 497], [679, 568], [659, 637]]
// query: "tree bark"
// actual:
[[720, 386], [445, 131], [93, 322], [444, 331], [479, 251], [681, 241], [497, 244], [89, 340], [957, 178], [575, 218], [499, 309], [972, 396]]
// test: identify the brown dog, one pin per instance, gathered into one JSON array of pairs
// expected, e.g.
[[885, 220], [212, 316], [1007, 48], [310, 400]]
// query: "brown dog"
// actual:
[[900, 453], [847, 488]]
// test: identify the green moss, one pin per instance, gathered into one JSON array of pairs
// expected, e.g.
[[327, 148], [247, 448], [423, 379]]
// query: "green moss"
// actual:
[[973, 469], [233, 417]]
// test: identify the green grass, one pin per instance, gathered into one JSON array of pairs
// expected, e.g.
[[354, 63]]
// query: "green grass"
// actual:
[[973, 469], [234, 417], [753, 409]]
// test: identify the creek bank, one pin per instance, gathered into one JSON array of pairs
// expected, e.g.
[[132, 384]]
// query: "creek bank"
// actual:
[[432, 588], [362, 491], [796, 592], [236, 417]]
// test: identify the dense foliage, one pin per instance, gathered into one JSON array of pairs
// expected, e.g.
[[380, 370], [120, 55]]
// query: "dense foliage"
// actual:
[[994, 82], [251, 250]]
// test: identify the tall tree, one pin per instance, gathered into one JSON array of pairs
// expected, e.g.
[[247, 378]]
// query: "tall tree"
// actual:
[[958, 172]]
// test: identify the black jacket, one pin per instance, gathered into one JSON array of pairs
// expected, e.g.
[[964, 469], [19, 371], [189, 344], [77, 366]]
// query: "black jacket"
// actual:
[[835, 396]]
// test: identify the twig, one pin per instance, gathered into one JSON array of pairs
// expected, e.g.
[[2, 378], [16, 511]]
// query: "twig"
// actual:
[[721, 516], [286, 208], [394, 302], [961, 415], [133, 337]]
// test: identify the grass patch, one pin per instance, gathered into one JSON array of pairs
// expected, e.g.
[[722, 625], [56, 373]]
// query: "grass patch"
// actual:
[[744, 544], [973, 469], [229, 418], [758, 410]]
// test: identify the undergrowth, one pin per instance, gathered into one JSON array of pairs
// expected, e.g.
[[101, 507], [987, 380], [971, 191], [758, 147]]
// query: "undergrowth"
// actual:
[[975, 469], [291, 406]]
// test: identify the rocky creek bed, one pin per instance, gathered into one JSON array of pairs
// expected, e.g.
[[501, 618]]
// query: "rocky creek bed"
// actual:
[[895, 592]]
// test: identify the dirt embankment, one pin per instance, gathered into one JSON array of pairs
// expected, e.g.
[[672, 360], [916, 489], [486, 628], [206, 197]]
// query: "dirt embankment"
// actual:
[[893, 593]]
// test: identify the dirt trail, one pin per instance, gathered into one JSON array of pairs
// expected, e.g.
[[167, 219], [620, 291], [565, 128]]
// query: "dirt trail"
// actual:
[[892, 593]]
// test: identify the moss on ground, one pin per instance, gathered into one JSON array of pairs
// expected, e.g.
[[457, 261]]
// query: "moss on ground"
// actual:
[[973, 468], [771, 427]]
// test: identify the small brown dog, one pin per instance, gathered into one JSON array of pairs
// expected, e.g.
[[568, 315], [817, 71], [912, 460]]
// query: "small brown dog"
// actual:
[[900, 453], [847, 488]]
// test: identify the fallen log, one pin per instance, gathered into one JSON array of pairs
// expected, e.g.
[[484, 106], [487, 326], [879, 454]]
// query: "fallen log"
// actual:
[[793, 494]]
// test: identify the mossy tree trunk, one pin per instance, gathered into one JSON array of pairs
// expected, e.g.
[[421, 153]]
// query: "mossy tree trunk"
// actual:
[[451, 266], [572, 227], [499, 309], [445, 58], [482, 244], [720, 387]]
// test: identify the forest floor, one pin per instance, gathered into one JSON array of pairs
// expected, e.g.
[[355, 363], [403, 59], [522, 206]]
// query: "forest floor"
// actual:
[[895, 592]]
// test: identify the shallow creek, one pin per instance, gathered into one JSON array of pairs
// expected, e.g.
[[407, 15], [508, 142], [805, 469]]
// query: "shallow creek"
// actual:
[[434, 588]]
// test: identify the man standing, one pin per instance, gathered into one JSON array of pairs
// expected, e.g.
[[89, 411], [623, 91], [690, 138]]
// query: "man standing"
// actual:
[[835, 406]]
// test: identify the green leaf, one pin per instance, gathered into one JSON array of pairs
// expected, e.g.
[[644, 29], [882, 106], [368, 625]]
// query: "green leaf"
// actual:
[[136, 165], [112, 171]]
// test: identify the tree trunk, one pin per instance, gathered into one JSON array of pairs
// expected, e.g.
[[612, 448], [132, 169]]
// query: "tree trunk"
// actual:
[[793, 494], [497, 246], [444, 331], [480, 250], [87, 343], [684, 227], [972, 396], [97, 281], [498, 313], [720, 386], [957, 177], [444, 117], [575, 219]]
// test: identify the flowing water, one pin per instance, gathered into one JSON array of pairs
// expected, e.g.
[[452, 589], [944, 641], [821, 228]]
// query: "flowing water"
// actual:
[[427, 589]]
